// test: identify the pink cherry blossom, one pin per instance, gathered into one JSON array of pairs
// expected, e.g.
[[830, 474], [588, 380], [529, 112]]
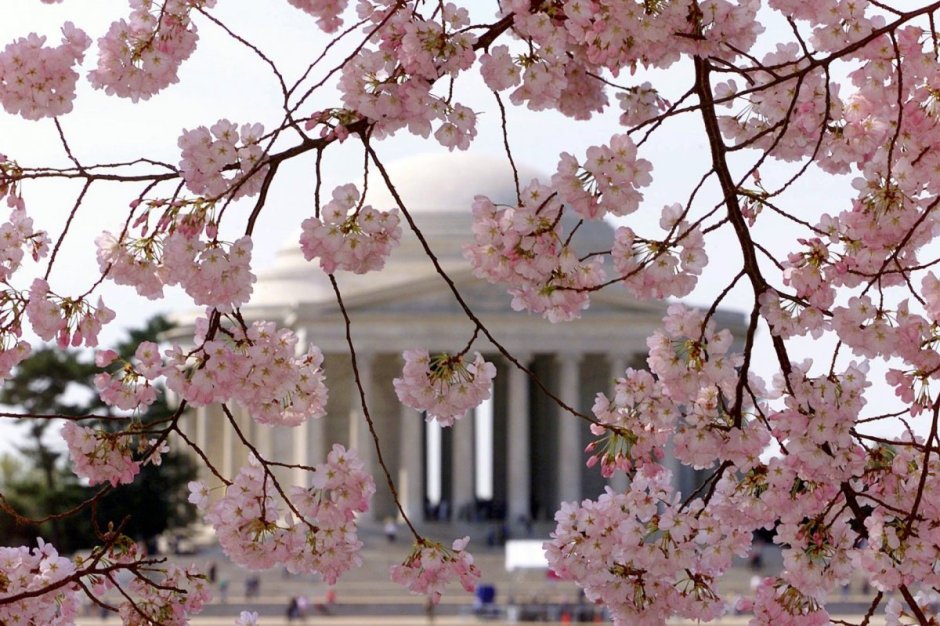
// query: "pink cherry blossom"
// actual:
[[140, 56], [253, 533], [31, 570], [430, 566], [444, 386], [37, 81], [100, 456], [68, 321], [524, 248], [207, 153], [606, 182], [359, 243]]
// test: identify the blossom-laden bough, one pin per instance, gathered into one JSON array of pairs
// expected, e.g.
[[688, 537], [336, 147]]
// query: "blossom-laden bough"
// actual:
[[784, 443]]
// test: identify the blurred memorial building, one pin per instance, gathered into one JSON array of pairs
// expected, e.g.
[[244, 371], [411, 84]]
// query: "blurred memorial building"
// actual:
[[517, 457]]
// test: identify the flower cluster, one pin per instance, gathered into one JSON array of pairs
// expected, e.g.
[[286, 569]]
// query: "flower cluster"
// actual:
[[170, 599], [356, 243], [657, 269], [444, 386], [790, 318], [134, 262], [640, 104], [140, 56], [565, 44], [805, 103], [12, 352], [99, 456], [391, 85], [15, 235], [776, 602], [327, 12], [607, 181], [129, 387], [251, 531], [688, 355], [634, 427], [210, 274], [11, 175], [807, 273], [819, 554], [431, 566], [37, 81], [709, 432], [817, 420], [498, 69], [325, 540], [208, 152], [258, 367], [901, 550], [70, 322], [643, 555], [215, 273], [24, 571], [523, 248], [12, 347], [246, 519]]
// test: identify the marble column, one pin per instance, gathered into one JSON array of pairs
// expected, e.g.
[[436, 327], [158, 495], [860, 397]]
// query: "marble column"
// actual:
[[462, 468], [570, 453], [411, 463], [360, 437], [261, 434], [200, 429], [618, 365], [228, 443], [307, 438], [300, 454], [519, 488]]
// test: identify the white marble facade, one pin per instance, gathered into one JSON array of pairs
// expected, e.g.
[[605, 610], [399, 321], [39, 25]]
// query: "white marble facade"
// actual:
[[535, 452]]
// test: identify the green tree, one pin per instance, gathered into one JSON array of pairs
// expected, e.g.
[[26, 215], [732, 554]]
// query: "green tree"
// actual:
[[42, 385], [59, 382]]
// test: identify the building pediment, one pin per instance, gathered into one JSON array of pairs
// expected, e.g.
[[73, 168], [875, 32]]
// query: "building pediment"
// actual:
[[431, 295]]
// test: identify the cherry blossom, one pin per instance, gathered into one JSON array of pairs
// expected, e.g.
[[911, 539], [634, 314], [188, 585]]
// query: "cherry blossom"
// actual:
[[641, 554], [261, 369], [208, 152], [178, 594], [15, 235], [129, 387], [68, 321], [140, 56], [357, 243], [444, 386], [99, 456], [606, 182], [656, 269], [629, 439], [430, 566], [328, 17], [322, 539], [524, 248], [37, 81], [31, 570], [812, 413]]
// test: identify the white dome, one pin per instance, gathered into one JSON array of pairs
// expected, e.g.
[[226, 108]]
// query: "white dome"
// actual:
[[446, 183], [438, 192]]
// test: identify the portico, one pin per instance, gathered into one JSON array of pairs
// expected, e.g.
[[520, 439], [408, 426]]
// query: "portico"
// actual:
[[518, 457]]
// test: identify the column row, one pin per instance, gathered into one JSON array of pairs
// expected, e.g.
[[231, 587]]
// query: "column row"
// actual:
[[523, 484]]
